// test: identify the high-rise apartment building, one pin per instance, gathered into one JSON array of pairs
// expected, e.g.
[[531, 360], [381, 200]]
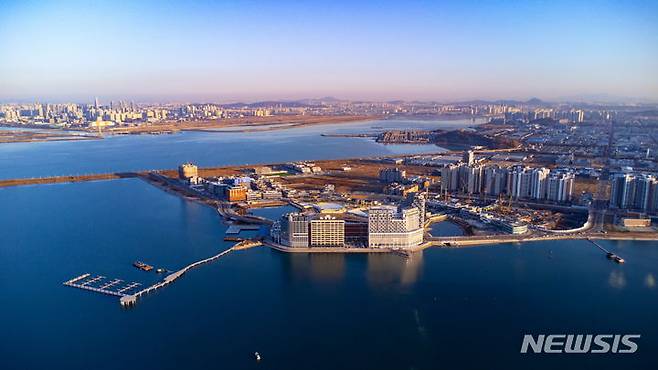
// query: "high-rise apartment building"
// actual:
[[559, 187], [469, 157], [519, 182], [538, 177], [495, 180], [634, 192], [450, 178]]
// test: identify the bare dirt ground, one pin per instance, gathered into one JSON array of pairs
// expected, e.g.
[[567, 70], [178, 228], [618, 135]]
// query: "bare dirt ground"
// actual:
[[245, 124]]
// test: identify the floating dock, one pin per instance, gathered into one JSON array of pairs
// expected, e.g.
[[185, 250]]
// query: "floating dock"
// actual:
[[236, 229], [128, 293], [103, 285]]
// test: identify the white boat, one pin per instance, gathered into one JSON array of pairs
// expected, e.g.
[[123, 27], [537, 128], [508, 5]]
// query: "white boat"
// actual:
[[257, 355]]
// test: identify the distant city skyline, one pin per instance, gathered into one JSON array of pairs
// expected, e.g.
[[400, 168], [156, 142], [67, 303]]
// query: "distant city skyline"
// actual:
[[602, 99], [206, 52]]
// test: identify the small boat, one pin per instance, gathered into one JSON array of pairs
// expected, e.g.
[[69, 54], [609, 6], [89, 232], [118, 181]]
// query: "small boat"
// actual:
[[142, 266], [257, 355], [619, 259], [160, 270]]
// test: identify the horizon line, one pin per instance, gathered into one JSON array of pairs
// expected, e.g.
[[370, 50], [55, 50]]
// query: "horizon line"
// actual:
[[154, 99]]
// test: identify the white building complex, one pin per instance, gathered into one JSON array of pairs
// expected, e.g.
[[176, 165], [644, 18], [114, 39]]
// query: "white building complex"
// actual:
[[388, 228]]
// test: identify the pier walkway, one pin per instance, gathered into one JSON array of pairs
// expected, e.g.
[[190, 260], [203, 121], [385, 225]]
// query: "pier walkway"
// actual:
[[598, 246], [609, 254], [118, 288], [129, 300]]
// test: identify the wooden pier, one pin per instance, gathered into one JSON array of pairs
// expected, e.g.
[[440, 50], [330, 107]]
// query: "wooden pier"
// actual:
[[609, 254], [129, 300], [118, 288], [598, 246]]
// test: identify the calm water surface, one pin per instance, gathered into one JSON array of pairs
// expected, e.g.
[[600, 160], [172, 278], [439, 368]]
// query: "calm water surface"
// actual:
[[144, 152], [443, 308], [445, 228]]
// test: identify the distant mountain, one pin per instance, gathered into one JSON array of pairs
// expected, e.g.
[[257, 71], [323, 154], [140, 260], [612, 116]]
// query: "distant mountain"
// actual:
[[265, 104], [321, 101], [535, 101], [607, 99], [532, 101]]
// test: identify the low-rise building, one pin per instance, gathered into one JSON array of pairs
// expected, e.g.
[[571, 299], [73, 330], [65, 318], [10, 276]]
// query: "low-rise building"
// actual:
[[636, 222], [511, 227], [400, 189], [392, 175]]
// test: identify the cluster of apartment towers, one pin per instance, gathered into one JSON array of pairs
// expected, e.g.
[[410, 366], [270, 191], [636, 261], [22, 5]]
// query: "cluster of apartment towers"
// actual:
[[634, 191], [517, 182], [387, 226]]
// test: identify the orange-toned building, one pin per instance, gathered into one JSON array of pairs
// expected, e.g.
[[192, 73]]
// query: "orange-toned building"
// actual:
[[236, 194]]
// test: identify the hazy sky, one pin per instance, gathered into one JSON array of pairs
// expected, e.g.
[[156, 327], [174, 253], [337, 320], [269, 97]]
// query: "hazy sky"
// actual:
[[227, 51]]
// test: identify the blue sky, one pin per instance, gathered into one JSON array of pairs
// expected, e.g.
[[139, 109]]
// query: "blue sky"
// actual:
[[227, 51]]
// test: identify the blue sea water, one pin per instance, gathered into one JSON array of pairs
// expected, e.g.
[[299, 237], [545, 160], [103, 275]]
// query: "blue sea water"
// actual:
[[147, 152], [443, 308], [440, 309]]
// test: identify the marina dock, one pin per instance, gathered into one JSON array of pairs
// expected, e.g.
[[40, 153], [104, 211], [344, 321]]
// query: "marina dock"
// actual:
[[128, 293], [100, 284], [236, 229]]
